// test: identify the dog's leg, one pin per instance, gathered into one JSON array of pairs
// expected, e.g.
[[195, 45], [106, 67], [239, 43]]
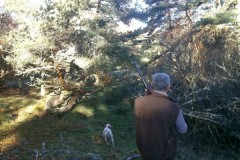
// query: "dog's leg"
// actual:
[[106, 140], [112, 141]]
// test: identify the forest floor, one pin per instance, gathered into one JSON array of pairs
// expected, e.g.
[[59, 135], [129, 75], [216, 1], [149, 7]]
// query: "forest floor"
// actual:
[[26, 133]]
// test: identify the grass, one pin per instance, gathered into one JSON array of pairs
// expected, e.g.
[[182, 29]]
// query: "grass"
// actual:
[[24, 129], [26, 134]]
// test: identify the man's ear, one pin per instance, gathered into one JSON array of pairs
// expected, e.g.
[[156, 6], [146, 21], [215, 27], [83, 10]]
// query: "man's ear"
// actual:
[[151, 85], [168, 87]]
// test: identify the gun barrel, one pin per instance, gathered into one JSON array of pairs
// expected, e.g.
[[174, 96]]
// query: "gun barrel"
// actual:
[[140, 74]]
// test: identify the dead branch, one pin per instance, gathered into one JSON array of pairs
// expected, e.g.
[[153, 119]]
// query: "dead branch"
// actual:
[[212, 134], [6, 74], [33, 69], [181, 40], [65, 107], [134, 156], [194, 101], [206, 116]]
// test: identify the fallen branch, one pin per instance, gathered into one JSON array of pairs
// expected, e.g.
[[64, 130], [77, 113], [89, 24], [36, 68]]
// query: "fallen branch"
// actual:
[[134, 156], [6, 74], [66, 107], [215, 118], [194, 101], [33, 69]]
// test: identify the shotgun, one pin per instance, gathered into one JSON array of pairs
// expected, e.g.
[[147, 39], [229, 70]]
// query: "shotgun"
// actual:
[[148, 89]]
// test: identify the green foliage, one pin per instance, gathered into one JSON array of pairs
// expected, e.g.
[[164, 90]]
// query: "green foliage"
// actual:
[[118, 52], [206, 21], [58, 26], [220, 18], [27, 46], [195, 3], [20, 7], [162, 7], [115, 94], [121, 109], [225, 17], [140, 15]]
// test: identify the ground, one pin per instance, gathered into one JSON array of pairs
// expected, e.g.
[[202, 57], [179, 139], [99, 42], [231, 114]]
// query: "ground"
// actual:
[[27, 133]]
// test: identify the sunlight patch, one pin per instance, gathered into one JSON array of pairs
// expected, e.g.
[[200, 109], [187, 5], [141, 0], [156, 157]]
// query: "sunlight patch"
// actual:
[[8, 142], [30, 109], [103, 108], [88, 112], [27, 112]]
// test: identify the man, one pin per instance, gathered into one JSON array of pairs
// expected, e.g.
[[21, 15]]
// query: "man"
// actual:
[[158, 118]]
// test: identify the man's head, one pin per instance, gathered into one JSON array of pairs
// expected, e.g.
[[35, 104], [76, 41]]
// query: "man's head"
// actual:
[[161, 82]]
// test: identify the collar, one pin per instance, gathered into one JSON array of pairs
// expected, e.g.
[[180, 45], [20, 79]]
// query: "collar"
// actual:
[[161, 92]]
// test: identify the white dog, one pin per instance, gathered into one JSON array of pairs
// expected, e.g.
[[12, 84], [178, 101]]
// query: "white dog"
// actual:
[[107, 134]]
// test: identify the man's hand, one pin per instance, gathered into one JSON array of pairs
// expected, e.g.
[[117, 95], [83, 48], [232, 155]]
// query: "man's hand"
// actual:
[[148, 90]]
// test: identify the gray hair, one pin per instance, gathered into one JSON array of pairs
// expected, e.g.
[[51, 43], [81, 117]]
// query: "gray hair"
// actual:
[[160, 81]]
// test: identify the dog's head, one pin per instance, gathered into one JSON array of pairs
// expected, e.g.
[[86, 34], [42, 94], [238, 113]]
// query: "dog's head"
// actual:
[[108, 126]]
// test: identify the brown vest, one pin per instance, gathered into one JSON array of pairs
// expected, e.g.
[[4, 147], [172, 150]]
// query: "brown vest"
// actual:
[[156, 116]]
